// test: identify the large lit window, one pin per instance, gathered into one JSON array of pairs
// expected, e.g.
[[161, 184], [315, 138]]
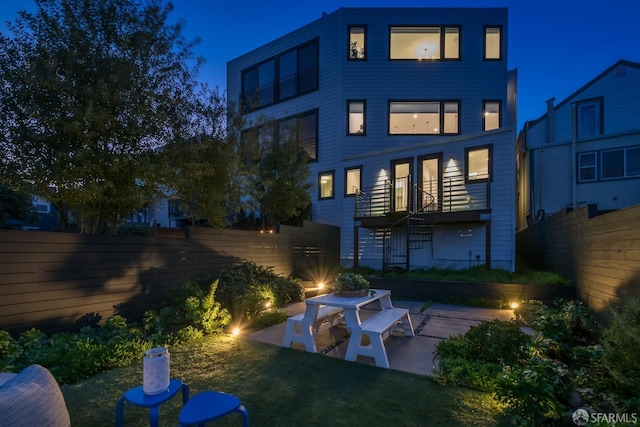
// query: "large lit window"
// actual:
[[357, 43], [478, 164], [356, 118], [352, 180], [589, 121], [325, 185], [491, 115], [424, 117], [422, 43], [290, 74], [493, 43]]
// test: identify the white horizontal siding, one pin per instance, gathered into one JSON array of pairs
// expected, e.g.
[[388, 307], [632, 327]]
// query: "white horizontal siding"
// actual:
[[551, 181], [378, 80]]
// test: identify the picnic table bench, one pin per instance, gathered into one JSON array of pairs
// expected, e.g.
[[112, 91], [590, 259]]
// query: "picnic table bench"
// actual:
[[298, 327], [377, 328]]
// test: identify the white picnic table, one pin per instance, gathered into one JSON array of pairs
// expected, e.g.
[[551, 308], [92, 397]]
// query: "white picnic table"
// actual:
[[377, 327]]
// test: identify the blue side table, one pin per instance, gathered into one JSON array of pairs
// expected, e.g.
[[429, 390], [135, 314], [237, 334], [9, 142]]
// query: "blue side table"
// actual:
[[136, 397], [211, 405]]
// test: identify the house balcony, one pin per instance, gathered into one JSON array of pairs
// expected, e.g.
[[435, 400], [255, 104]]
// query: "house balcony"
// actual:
[[453, 200]]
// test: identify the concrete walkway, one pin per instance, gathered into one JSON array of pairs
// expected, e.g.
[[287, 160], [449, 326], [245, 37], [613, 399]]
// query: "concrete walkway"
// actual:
[[410, 354]]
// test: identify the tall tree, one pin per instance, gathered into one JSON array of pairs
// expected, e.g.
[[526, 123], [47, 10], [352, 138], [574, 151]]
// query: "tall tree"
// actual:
[[89, 93], [201, 163], [15, 205], [278, 168]]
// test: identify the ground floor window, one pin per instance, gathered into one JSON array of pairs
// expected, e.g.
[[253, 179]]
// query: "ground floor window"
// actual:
[[326, 185], [352, 180]]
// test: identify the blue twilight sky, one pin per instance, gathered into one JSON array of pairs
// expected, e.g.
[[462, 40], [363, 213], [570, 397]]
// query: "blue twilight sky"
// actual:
[[556, 45]]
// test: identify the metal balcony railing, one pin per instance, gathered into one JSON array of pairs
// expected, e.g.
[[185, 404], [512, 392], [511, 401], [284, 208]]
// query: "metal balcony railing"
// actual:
[[455, 194]]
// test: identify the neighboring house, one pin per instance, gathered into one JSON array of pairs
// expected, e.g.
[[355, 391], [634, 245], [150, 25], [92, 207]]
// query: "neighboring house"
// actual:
[[407, 116], [584, 150]]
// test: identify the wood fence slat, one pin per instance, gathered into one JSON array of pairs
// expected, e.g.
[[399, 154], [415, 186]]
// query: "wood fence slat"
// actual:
[[53, 279]]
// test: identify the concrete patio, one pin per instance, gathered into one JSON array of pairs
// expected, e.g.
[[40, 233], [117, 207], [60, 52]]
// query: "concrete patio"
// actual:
[[410, 354]]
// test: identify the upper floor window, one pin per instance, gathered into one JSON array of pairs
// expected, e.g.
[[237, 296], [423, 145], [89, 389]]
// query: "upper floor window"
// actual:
[[478, 164], [356, 118], [432, 42], [493, 42], [352, 180], [301, 129], [357, 43], [491, 115], [424, 117], [589, 118], [285, 76], [326, 185]]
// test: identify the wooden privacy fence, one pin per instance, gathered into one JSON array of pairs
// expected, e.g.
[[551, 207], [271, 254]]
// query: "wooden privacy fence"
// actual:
[[59, 281], [600, 253]]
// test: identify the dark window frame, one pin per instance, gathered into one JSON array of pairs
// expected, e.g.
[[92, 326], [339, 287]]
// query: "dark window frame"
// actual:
[[441, 103], [349, 53], [275, 126], [484, 44], [468, 150], [364, 117], [484, 111], [442, 28], [599, 101], [439, 156], [410, 178], [245, 100], [331, 172], [346, 170]]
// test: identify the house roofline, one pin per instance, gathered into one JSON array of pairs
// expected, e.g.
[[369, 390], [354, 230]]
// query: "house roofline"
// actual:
[[531, 123]]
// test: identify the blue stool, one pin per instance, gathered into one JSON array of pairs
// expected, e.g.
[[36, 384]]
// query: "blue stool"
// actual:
[[211, 405], [137, 397]]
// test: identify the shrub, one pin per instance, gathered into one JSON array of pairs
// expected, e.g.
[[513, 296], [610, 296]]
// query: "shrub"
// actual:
[[189, 306], [10, 351], [246, 286], [529, 391], [476, 357], [269, 318], [621, 349], [350, 282], [568, 322], [495, 341]]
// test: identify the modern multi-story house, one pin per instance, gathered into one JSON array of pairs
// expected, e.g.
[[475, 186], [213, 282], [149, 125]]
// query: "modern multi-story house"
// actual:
[[407, 117], [584, 150]]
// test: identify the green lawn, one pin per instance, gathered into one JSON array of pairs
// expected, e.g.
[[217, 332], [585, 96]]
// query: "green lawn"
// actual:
[[284, 387]]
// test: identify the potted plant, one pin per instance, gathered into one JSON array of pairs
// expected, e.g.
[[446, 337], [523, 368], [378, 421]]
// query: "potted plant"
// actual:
[[350, 285]]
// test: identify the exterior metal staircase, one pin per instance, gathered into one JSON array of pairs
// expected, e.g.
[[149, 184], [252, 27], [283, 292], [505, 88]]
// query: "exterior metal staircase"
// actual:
[[408, 233]]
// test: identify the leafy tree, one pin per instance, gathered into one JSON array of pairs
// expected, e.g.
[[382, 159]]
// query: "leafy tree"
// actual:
[[201, 163], [279, 171], [89, 93], [16, 205]]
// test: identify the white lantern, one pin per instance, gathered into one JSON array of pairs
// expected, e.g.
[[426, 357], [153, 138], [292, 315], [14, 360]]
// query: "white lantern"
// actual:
[[155, 371]]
